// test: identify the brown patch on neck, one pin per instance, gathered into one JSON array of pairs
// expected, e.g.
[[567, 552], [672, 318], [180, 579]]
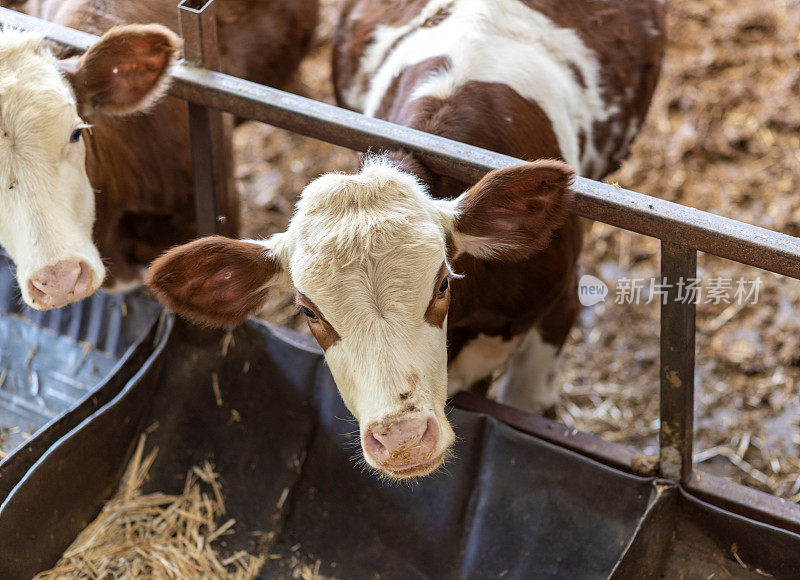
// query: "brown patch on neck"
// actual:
[[143, 206], [322, 330], [515, 126], [507, 299], [439, 305]]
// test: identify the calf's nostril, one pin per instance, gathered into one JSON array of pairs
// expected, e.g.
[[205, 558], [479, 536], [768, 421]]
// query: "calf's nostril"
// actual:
[[431, 434], [374, 447], [83, 284]]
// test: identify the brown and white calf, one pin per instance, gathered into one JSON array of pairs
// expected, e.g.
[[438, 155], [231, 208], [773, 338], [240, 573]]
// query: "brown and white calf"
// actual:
[[132, 169], [533, 79], [372, 255], [371, 258]]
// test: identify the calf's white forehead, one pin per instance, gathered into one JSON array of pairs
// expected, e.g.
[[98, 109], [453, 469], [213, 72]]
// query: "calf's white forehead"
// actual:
[[37, 113], [35, 100], [353, 205], [372, 235]]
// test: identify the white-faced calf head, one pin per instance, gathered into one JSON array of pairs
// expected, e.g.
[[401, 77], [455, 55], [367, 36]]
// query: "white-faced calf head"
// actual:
[[368, 256], [46, 200]]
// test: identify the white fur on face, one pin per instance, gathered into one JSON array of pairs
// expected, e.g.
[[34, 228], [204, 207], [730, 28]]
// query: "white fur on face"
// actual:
[[367, 250], [493, 41], [46, 200]]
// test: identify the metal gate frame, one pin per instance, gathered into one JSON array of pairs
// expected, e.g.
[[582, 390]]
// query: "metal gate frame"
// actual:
[[682, 230]]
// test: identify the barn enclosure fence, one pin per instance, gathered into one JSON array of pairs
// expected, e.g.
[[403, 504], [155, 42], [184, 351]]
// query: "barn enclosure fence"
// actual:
[[682, 231]]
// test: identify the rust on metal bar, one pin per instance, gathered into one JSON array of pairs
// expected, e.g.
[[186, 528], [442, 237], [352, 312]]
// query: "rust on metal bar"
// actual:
[[668, 221], [206, 129], [678, 312]]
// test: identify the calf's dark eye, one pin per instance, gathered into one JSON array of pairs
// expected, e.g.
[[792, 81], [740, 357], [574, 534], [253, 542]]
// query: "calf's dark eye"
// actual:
[[76, 135], [308, 312], [444, 285]]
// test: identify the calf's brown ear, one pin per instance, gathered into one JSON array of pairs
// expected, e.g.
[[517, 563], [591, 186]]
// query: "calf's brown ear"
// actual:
[[214, 281], [512, 212], [126, 71]]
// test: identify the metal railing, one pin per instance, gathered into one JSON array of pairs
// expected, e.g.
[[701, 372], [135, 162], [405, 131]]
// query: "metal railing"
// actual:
[[683, 231]]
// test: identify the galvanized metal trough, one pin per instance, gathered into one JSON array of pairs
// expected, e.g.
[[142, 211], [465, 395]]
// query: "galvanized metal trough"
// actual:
[[524, 497]]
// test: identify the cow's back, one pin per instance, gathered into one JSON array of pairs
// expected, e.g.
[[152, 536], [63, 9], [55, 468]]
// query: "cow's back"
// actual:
[[590, 68], [260, 40], [531, 79]]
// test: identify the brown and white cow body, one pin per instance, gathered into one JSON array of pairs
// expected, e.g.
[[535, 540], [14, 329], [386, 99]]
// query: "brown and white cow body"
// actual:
[[528, 78], [371, 255], [132, 170]]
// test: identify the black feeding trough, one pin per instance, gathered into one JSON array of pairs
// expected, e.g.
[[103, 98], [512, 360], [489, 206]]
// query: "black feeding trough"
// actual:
[[510, 505]]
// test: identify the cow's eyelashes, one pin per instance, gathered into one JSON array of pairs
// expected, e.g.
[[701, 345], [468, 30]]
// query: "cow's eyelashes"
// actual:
[[308, 312], [75, 136]]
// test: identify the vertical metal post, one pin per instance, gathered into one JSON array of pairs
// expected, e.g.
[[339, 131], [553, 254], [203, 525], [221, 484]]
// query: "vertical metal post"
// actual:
[[208, 147], [678, 312]]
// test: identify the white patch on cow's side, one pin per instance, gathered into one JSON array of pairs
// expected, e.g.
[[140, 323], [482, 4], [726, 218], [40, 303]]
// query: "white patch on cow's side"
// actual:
[[47, 202], [497, 41], [374, 54], [527, 381], [479, 358], [126, 286]]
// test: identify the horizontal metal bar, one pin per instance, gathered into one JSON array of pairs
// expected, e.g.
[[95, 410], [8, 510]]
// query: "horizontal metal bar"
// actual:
[[745, 501], [616, 455], [70, 37], [633, 211]]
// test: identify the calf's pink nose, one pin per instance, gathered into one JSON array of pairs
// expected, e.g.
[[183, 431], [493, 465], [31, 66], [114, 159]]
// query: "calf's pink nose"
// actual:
[[57, 285], [404, 443]]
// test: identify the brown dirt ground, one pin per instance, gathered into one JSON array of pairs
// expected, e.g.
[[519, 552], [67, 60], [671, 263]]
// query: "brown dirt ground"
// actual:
[[723, 135]]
